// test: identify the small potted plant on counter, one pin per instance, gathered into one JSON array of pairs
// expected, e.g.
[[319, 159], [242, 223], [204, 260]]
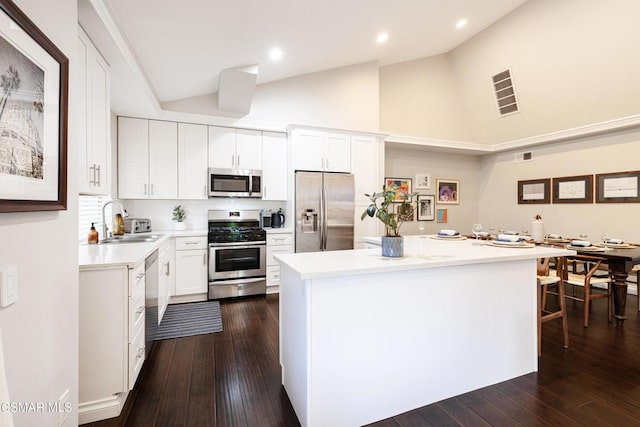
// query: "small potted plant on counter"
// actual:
[[381, 207], [179, 215]]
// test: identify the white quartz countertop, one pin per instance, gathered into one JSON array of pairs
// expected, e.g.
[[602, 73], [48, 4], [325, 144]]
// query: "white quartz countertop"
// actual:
[[419, 253], [126, 254]]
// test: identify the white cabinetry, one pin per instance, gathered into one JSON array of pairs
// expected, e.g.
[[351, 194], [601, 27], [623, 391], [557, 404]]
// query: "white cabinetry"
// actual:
[[191, 265], [192, 161], [112, 344], [147, 152], [367, 166], [94, 122], [231, 148], [274, 169], [317, 150], [167, 278], [277, 243]]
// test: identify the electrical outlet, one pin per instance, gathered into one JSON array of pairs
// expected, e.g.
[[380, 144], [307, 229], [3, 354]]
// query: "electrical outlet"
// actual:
[[64, 407]]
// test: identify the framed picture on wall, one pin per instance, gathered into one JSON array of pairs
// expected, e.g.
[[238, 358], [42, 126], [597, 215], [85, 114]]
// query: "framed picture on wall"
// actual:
[[573, 189], [534, 191], [402, 187], [619, 187], [442, 215], [34, 76], [426, 207], [423, 181], [448, 191]]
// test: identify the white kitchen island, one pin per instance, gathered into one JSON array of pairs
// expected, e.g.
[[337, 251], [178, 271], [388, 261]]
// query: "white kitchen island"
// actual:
[[363, 338]]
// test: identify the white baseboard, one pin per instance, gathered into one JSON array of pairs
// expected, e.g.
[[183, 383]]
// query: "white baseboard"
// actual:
[[89, 412]]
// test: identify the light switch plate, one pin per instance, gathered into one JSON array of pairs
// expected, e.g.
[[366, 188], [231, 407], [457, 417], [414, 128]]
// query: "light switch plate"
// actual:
[[8, 286]]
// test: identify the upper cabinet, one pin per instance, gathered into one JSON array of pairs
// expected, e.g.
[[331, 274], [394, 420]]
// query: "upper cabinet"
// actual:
[[317, 150], [231, 148], [147, 153], [192, 161], [367, 154], [94, 124], [274, 170]]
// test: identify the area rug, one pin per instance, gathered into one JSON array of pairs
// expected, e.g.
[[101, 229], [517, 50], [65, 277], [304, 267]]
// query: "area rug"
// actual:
[[194, 318]]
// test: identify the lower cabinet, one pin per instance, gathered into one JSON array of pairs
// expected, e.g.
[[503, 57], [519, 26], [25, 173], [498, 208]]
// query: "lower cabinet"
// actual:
[[191, 265], [167, 275], [111, 341], [277, 243]]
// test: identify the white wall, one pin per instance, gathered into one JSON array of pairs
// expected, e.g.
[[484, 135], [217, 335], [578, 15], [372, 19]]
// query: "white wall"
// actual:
[[404, 161], [614, 152], [343, 98], [420, 98], [573, 63], [40, 331]]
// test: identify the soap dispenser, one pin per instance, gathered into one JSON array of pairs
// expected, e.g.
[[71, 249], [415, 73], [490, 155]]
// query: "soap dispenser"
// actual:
[[93, 235]]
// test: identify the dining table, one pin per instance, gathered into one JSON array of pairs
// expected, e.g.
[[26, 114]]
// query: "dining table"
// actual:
[[620, 262]]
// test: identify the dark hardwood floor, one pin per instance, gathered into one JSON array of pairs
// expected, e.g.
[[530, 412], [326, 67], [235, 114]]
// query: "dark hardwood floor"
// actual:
[[232, 378]]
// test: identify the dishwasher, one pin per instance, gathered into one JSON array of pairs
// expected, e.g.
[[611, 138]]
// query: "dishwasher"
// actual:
[[151, 300]]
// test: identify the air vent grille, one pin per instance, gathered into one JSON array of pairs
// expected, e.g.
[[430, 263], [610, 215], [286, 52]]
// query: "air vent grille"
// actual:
[[505, 93]]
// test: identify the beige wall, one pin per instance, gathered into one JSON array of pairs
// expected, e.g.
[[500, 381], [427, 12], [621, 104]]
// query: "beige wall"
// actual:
[[40, 331], [614, 152], [343, 98], [573, 62], [404, 161], [420, 98]]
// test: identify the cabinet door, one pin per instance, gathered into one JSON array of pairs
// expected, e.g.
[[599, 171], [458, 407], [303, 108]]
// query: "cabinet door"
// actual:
[[163, 164], [86, 170], [222, 147], [99, 122], [308, 150], [192, 161], [191, 272], [365, 166], [166, 259], [133, 158], [248, 149], [337, 153], [274, 169]]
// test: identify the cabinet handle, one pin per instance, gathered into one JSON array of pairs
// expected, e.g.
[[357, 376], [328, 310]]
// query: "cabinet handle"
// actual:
[[92, 174], [238, 160], [151, 193], [139, 276], [145, 189], [279, 239], [233, 160], [276, 276], [205, 191], [140, 310], [99, 180], [191, 243], [326, 163], [140, 352], [167, 270], [204, 259]]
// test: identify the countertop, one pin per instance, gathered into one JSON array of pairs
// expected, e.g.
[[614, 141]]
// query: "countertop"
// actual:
[[126, 254], [270, 230], [419, 253]]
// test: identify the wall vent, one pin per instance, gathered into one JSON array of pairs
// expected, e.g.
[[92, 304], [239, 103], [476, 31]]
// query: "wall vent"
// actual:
[[505, 93], [526, 156]]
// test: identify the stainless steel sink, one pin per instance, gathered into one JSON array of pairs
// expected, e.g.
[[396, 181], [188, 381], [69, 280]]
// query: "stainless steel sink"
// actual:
[[131, 238]]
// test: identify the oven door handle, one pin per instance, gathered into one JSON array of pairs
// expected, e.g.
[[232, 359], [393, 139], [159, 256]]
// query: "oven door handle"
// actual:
[[237, 244]]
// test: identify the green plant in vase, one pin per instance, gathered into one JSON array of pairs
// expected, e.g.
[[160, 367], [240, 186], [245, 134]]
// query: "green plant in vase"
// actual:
[[382, 207], [179, 215]]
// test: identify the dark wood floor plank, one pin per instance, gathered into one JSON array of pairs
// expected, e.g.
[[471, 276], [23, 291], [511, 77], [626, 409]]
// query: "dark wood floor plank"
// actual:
[[461, 413], [176, 393], [511, 407], [229, 400], [488, 412], [436, 417], [202, 396]]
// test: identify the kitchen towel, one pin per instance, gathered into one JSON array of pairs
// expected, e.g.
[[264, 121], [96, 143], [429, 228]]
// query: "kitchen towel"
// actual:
[[194, 318]]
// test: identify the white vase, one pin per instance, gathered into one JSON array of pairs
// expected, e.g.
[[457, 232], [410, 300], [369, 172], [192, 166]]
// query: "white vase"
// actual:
[[179, 225], [537, 230]]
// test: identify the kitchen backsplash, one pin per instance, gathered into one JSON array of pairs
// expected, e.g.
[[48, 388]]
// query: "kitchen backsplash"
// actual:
[[160, 211]]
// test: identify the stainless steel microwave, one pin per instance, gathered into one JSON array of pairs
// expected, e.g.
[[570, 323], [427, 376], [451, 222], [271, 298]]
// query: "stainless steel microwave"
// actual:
[[235, 183]]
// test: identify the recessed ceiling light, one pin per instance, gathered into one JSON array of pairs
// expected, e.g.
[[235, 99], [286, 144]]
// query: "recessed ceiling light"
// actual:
[[275, 54], [382, 37], [461, 23]]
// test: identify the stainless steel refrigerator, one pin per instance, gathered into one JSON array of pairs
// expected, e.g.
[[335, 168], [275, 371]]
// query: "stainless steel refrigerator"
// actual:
[[324, 211]]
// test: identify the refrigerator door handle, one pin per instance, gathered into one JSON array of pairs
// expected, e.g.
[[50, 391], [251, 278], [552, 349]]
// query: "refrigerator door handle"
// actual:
[[325, 212]]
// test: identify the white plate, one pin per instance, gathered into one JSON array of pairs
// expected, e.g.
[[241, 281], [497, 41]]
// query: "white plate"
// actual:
[[502, 244], [559, 240], [615, 245], [458, 237]]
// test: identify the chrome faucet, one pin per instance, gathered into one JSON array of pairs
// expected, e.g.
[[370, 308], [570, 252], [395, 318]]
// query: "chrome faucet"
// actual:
[[105, 229]]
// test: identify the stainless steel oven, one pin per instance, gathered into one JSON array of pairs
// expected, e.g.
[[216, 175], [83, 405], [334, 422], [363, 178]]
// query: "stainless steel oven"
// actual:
[[237, 254]]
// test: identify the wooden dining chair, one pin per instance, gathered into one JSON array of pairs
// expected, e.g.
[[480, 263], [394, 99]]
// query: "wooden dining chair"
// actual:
[[545, 281], [636, 269], [594, 287]]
